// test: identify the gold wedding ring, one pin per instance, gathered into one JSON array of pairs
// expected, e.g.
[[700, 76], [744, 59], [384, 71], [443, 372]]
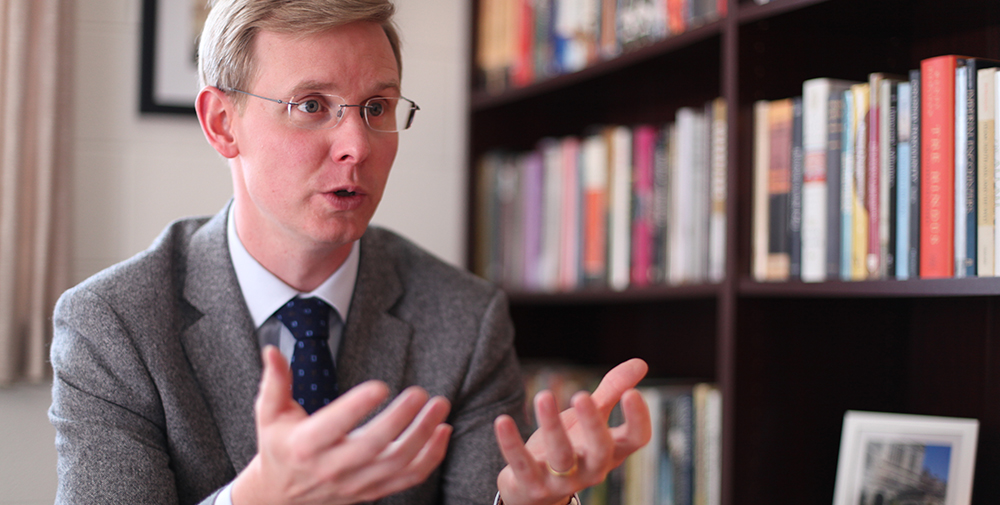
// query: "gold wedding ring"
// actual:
[[566, 473]]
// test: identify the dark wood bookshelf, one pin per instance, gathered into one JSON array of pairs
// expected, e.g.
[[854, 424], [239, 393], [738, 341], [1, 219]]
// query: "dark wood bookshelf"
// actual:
[[790, 357]]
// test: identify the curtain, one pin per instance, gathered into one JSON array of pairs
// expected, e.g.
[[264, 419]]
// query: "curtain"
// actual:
[[35, 141]]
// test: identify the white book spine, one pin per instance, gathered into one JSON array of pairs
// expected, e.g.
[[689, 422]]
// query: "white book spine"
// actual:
[[986, 116], [549, 263], [680, 260], [996, 175], [815, 97], [903, 182], [960, 174], [761, 156], [621, 209]]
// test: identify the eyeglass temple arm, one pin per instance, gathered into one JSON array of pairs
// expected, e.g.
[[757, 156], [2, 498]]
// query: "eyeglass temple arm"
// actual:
[[275, 100]]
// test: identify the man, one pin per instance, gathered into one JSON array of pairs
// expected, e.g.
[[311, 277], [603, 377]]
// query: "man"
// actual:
[[158, 360]]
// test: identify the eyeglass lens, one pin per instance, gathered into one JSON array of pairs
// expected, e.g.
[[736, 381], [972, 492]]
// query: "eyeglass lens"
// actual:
[[384, 114]]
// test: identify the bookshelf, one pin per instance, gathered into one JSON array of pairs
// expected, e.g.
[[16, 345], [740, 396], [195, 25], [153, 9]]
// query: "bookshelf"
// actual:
[[790, 357]]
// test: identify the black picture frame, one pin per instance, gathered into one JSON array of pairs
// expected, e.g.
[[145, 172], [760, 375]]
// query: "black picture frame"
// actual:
[[152, 98]]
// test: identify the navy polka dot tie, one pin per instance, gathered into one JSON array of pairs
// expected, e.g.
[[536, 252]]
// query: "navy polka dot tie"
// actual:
[[314, 376]]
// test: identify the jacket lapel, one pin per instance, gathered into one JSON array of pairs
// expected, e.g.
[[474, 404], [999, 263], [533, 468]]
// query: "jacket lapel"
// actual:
[[375, 342], [221, 345]]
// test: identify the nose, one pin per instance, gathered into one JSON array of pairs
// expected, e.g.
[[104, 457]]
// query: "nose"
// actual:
[[351, 137]]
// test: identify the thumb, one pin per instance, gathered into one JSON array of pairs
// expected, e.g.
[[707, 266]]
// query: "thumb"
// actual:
[[274, 397]]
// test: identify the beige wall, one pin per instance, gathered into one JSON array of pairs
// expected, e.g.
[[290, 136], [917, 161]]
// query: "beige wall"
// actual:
[[136, 173]]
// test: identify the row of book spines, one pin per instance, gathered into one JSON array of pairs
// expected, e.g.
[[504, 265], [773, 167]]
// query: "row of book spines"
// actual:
[[624, 207], [681, 464], [879, 142], [523, 41]]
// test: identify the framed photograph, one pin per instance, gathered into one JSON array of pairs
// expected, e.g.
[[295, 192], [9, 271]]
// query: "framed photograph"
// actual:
[[170, 30], [899, 458]]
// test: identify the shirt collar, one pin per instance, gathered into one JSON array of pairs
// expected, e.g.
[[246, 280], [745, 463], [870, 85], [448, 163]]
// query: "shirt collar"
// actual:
[[264, 293]]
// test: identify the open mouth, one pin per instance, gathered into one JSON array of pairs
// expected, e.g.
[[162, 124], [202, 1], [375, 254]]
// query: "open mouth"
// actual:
[[344, 193]]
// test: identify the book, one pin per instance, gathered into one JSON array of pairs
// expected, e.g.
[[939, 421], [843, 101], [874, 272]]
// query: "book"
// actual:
[[996, 181], [570, 241], [643, 217], [620, 206], [701, 193], [915, 171], [902, 266], [937, 143], [761, 167], [985, 168], [686, 198], [860, 200], [661, 203], [974, 188], [878, 178], [963, 260], [780, 121], [719, 175], [708, 447], [594, 173], [822, 124], [532, 186], [847, 192], [873, 176], [552, 221], [795, 199], [887, 174]]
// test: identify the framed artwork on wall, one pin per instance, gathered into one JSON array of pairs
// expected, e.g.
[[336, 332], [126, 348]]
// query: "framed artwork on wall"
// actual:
[[901, 458], [170, 30]]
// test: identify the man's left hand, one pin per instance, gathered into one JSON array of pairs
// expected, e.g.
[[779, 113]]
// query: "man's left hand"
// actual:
[[575, 449]]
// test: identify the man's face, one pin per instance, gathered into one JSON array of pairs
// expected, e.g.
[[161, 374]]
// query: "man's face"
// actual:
[[313, 189]]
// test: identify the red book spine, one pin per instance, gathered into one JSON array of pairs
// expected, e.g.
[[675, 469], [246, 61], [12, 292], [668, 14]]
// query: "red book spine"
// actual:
[[937, 170], [642, 211]]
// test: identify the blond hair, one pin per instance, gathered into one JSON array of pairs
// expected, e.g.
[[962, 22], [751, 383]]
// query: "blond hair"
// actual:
[[225, 51]]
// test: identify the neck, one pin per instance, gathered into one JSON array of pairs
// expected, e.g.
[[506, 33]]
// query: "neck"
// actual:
[[302, 266]]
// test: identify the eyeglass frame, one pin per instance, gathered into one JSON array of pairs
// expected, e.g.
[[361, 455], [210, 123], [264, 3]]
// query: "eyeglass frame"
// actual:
[[340, 116]]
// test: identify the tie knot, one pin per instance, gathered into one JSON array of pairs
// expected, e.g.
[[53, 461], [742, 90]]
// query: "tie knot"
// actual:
[[306, 318]]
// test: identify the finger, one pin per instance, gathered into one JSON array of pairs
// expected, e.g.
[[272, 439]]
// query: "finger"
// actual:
[[594, 439], [419, 432], [330, 424], [273, 398], [526, 469], [415, 473], [637, 429], [391, 422], [621, 378], [418, 468], [400, 452], [559, 454]]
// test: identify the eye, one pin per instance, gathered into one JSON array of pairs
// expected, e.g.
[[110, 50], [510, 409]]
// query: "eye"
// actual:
[[376, 108], [311, 105]]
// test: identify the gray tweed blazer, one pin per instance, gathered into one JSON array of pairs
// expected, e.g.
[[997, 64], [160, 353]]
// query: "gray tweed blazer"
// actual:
[[156, 368]]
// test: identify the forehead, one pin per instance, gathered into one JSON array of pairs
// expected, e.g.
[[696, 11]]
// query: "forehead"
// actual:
[[354, 58]]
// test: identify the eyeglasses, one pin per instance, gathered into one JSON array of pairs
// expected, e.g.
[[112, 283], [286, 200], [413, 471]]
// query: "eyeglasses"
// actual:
[[319, 111]]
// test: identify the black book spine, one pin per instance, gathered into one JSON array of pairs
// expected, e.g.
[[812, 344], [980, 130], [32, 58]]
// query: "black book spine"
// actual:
[[914, 248]]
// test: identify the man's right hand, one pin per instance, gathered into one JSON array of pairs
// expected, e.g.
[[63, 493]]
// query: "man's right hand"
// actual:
[[326, 458]]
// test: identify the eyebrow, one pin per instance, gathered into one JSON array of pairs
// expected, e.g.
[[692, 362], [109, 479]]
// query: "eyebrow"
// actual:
[[328, 86]]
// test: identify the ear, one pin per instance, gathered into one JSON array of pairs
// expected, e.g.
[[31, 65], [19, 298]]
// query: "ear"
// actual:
[[215, 113]]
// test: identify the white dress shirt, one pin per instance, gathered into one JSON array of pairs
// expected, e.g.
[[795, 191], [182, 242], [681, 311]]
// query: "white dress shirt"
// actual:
[[264, 294]]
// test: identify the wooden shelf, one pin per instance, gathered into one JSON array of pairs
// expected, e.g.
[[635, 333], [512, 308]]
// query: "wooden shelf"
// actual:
[[915, 288], [790, 357]]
